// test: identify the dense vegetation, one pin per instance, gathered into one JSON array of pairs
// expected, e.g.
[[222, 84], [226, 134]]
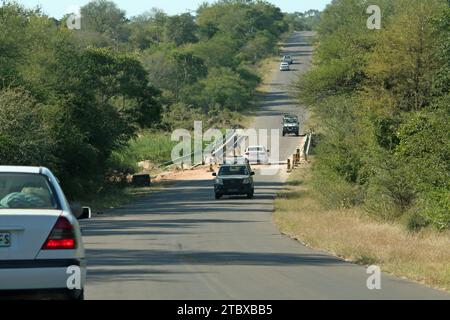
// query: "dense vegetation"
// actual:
[[383, 103], [65, 105], [305, 21], [86, 103]]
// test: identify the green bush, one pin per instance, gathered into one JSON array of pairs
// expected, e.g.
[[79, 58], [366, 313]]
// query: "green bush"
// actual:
[[382, 202], [155, 147], [334, 191], [415, 221], [434, 206], [23, 138]]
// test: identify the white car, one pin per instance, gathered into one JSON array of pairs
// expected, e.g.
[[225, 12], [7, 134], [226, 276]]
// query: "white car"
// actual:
[[285, 66], [257, 155], [41, 250]]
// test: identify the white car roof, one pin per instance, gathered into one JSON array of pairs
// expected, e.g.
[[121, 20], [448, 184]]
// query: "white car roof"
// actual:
[[18, 169]]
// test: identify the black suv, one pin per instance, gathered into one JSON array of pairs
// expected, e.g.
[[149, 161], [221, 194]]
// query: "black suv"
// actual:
[[234, 179], [291, 125]]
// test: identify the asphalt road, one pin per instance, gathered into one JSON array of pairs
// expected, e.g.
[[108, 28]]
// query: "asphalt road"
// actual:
[[183, 244]]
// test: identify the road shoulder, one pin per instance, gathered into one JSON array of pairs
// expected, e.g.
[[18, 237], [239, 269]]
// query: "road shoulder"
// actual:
[[352, 235]]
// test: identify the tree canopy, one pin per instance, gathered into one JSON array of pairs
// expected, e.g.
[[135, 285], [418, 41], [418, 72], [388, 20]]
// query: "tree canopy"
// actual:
[[73, 100], [383, 102]]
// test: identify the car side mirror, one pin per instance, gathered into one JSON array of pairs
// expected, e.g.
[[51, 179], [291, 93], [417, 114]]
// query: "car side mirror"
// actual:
[[76, 209], [253, 173], [86, 214], [214, 174], [81, 213]]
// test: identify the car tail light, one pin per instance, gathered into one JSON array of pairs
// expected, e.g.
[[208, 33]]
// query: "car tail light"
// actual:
[[62, 236], [247, 153]]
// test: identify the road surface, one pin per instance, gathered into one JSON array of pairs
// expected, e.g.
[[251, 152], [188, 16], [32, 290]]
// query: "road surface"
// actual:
[[183, 244]]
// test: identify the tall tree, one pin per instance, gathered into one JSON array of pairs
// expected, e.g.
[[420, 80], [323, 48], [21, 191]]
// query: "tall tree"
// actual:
[[104, 17], [147, 29], [403, 65], [181, 29]]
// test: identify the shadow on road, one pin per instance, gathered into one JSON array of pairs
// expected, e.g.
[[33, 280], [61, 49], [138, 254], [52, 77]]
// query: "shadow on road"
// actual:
[[139, 265], [133, 274], [296, 45], [133, 227], [136, 260]]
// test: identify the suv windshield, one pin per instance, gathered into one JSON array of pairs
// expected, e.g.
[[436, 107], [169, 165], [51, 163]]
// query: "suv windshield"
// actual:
[[290, 120], [233, 171], [26, 191]]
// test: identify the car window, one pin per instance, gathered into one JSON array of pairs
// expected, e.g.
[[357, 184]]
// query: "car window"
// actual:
[[234, 170], [26, 191]]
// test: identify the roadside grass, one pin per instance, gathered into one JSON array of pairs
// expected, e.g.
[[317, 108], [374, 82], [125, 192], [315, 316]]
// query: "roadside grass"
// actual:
[[151, 146], [268, 64], [265, 70], [353, 235]]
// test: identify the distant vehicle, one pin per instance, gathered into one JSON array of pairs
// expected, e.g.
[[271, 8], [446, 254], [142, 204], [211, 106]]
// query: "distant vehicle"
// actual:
[[234, 180], [285, 66], [288, 115], [287, 59], [40, 237], [291, 125], [235, 160], [257, 155]]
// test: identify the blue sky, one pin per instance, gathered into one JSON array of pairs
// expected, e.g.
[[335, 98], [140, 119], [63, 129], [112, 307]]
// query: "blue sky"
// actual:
[[57, 8]]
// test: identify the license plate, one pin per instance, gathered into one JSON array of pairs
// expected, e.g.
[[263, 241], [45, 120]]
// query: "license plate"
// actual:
[[5, 240], [233, 190]]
